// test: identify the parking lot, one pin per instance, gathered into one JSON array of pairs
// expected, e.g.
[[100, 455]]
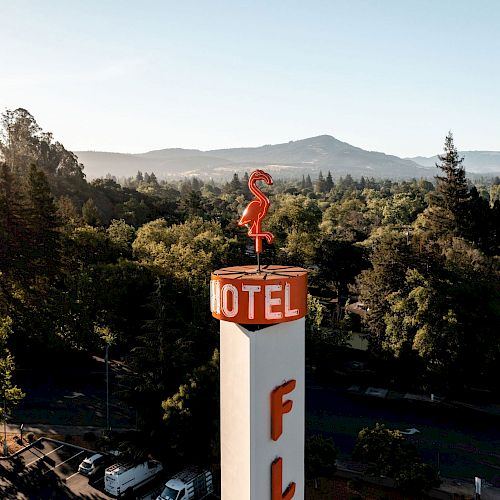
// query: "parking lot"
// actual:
[[48, 469]]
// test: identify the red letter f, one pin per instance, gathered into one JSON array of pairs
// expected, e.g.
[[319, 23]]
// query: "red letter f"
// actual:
[[280, 407]]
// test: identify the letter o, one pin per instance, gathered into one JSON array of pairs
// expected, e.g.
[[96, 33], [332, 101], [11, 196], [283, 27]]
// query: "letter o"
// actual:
[[233, 311]]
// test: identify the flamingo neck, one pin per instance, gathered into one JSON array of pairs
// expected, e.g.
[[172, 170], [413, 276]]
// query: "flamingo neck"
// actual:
[[257, 192]]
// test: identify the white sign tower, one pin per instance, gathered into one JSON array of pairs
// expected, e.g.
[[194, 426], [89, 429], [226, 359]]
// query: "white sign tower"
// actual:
[[262, 364]]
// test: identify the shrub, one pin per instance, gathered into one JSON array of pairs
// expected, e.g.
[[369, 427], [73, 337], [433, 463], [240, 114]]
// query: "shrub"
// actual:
[[89, 437]]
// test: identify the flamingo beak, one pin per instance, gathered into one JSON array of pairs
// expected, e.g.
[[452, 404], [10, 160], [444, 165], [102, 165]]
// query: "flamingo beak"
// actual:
[[268, 180]]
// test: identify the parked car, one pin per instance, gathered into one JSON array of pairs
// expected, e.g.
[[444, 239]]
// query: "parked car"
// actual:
[[123, 478], [92, 465], [192, 483]]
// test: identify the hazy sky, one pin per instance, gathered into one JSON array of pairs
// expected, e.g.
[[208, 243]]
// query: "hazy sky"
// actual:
[[385, 75]]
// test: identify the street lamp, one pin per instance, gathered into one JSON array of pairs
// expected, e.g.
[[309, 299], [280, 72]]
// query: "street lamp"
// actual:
[[109, 338], [107, 388], [5, 447]]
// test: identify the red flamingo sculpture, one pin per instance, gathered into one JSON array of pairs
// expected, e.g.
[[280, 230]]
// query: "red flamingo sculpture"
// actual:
[[256, 211]]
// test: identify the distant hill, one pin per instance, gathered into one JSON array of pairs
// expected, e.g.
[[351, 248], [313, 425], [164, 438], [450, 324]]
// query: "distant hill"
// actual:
[[477, 162], [290, 159]]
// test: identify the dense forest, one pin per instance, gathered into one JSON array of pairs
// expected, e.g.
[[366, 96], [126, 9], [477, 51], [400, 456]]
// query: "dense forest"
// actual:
[[89, 264]]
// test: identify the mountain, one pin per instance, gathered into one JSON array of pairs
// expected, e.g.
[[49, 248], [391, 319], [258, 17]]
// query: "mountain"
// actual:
[[477, 162], [291, 159]]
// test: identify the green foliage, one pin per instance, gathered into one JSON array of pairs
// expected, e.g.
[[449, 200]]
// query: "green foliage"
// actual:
[[11, 394], [320, 456], [23, 143], [451, 188], [90, 213], [83, 262], [190, 251], [121, 236], [191, 415], [387, 453]]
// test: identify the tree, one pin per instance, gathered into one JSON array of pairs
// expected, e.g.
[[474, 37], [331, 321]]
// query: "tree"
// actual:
[[195, 184], [451, 188], [294, 215], [67, 211], [320, 457], [90, 213], [390, 259], [43, 222], [161, 354], [121, 235], [339, 262], [11, 394], [14, 232], [424, 320], [189, 251], [19, 139], [451, 195], [23, 143], [320, 186], [387, 453], [191, 416], [235, 184], [430, 312], [192, 204], [309, 184], [329, 182]]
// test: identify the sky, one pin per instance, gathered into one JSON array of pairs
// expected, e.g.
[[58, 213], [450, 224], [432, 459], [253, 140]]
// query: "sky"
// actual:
[[130, 76]]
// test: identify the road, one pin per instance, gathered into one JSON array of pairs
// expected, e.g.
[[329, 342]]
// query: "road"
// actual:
[[464, 444]]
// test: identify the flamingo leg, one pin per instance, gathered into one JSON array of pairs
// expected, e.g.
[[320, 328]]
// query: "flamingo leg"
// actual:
[[256, 232]]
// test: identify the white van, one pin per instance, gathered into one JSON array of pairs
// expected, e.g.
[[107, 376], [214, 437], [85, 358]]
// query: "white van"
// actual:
[[93, 464], [190, 484], [123, 478]]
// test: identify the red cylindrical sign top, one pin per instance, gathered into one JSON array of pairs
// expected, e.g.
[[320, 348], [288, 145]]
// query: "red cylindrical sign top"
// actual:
[[275, 295]]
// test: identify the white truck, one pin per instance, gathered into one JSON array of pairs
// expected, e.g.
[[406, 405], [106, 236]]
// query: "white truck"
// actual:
[[190, 484], [123, 478]]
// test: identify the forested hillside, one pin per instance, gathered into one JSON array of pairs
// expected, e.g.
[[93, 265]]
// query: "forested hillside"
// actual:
[[85, 264]]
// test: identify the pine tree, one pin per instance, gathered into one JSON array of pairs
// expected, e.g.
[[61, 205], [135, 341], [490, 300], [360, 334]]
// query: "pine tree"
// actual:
[[195, 184], [329, 182], [153, 180], [67, 212], [309, 183], [303, 183], [13, 228], [43, 221], [235, 184], [448, 214], [246, 190], [452, 192], [320, 183]]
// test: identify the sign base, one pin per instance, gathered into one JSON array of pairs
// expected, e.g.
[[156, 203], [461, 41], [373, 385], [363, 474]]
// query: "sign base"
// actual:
[[253, 364]]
